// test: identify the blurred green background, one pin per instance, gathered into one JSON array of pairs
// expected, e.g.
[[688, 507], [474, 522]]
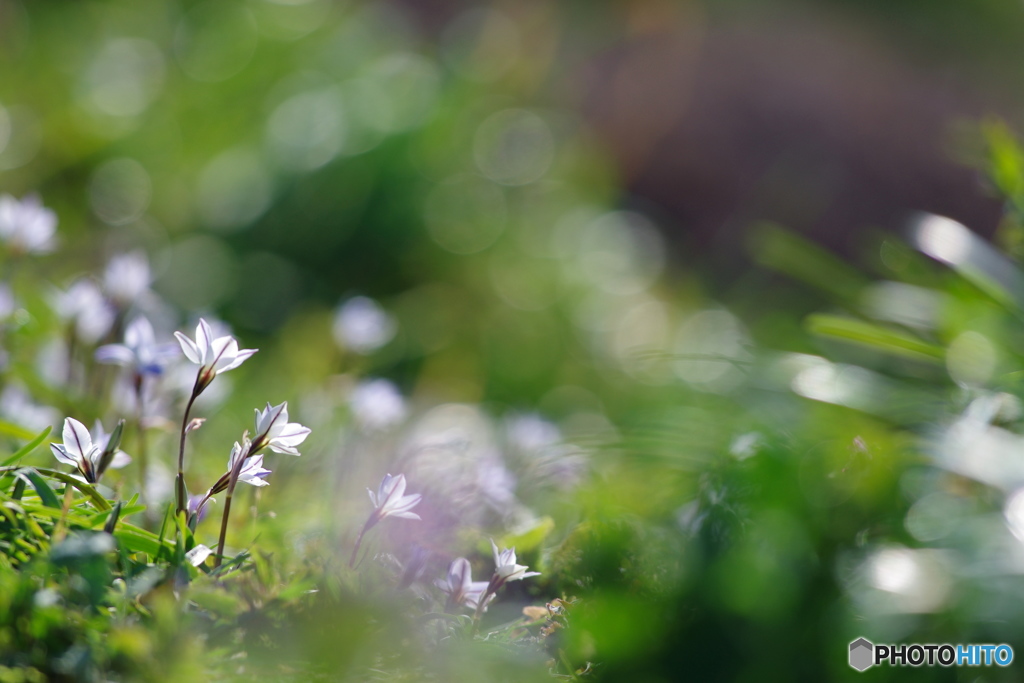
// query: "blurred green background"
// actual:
[[662, 288]]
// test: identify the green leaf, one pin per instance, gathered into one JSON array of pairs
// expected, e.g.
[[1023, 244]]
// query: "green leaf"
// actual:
[[27, 448], [883, 339], [19, 489], [1006, 163], [186, 533], [145, 581], [37, 482], [115, 514], [126, 511], [973, 259], [163, 525], [531, 538], [138, 540], [296, 589], [95, 496], [57, 513], [217, 601], [786, 252], [14, 430], [82, 545]]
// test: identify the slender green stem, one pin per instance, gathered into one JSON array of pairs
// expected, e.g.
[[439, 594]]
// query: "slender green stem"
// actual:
[[179, 482], [492, 587], [224, 523], [359, 539], [236, 469]]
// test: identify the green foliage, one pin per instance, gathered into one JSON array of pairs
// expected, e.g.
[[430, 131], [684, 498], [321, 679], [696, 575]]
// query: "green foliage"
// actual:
[[704, 496]]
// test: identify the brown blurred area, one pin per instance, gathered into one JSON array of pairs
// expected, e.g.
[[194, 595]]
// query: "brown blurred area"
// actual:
[[812, 118], [801, 120]]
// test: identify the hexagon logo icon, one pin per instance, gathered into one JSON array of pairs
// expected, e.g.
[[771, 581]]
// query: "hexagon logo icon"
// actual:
[[862, 653]]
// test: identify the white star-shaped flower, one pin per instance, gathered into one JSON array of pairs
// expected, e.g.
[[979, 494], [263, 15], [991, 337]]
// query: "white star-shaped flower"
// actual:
[[140, 352], [505, 567], [90, 454], [212, 355], [389, 500], [273, 430], [460, 586], [252, 471]]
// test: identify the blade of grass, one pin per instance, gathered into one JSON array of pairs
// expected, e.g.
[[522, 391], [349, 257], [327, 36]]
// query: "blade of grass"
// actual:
[[876, 337], [27, 448], [37, 482]]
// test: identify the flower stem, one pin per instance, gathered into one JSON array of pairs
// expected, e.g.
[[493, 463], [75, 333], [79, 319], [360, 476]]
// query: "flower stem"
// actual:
[[236, 469], [492, 587], [359, 539], [224, 525], [179, 482]]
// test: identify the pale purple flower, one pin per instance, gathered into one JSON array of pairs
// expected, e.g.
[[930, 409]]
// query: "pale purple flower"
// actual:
[[127, 277], [531, 432], [505, 567], [460, 587], [84, 307], [86, 452], [361, 325], [101, 439], [274, 431], [212, 355], [377, 404], [140, 352], [197, 506], [17, 406], [252, 471], [154, 403], [27, 226], [389, 500]]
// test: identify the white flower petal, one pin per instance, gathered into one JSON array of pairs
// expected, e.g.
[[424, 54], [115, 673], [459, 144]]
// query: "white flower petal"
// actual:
[[204, 340], [120, 459], [396, 487], [62, 455], [240, 357], [189, 348], [198, 555], [77, 441], [405, 503], [292, 434], [115, 354]]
